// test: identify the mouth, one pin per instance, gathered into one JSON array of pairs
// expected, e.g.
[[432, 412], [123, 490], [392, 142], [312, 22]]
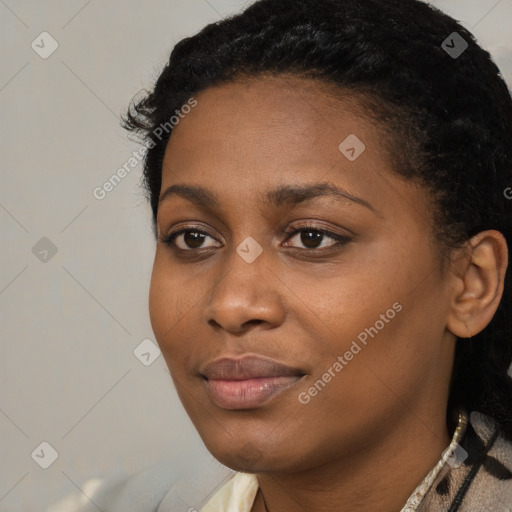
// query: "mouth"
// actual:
[[248, 382]]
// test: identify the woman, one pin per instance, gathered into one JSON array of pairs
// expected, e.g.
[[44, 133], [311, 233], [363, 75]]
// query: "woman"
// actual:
[[328, 181]]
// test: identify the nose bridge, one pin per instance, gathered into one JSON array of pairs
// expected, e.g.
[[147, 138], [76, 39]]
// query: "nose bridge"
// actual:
[[245, 266], [241, 292], [248, 246]]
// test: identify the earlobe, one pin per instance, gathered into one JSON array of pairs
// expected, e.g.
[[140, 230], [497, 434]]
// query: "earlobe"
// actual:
[[479, 286]]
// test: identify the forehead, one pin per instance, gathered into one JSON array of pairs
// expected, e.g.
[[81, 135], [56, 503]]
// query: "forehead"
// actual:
[[246, 138], [303, 113], [273, 128]]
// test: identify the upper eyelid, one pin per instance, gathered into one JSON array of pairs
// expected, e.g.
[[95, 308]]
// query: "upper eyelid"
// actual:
[[180, 231], [289, 231]]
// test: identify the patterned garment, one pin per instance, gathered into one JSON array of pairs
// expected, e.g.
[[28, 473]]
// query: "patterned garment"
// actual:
[[483, 482], [473, 475]]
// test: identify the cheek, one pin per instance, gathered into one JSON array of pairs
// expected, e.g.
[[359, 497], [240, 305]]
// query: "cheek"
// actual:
[[388, 360], [167, 305], [175, 299], [160, 302], [381, 317]]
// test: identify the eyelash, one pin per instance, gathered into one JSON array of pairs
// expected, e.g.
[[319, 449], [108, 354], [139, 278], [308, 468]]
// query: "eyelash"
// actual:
[[340, 239]]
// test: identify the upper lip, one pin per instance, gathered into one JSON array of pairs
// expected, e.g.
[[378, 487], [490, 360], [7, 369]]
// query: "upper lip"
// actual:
[[248, 367]]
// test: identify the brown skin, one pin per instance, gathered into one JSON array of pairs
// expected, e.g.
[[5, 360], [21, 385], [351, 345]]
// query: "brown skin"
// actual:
[[371, 435]]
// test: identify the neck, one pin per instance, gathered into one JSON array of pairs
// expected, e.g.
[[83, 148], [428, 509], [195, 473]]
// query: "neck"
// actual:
[[380, 479]]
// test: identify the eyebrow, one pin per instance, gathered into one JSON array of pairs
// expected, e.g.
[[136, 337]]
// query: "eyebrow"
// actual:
[[279, 196]]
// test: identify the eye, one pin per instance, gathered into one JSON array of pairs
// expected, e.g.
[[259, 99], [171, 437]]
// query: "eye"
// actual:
[[312, 236], [187, 239], [191, 238]]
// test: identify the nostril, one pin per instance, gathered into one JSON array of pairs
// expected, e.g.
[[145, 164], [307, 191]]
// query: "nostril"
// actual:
[[252, 322]]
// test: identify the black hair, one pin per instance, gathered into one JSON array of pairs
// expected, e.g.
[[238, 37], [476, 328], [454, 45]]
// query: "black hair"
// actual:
[[445, 106]]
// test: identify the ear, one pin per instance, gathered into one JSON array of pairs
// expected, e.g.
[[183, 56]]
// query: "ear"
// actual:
[[479, 283]]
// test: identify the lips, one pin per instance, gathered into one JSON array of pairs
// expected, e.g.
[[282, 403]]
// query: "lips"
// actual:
[[248, 382], [249, 367]]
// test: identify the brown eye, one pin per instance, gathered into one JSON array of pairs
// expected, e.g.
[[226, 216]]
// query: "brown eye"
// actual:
[[312, 237], [189, 239]]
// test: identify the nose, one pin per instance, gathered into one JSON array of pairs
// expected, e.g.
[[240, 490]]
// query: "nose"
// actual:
[[245, 295]]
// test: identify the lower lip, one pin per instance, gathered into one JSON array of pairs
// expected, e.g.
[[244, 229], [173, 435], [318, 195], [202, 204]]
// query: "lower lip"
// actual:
[[249, 393]]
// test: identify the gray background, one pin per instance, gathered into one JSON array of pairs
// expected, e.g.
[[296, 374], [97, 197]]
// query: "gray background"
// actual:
[[71, 322]]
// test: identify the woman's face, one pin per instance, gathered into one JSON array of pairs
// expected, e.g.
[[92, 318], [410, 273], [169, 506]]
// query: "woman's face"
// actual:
[[358, 313]]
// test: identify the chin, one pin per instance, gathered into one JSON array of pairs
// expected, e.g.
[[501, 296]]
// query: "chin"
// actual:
[[250, 458]]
